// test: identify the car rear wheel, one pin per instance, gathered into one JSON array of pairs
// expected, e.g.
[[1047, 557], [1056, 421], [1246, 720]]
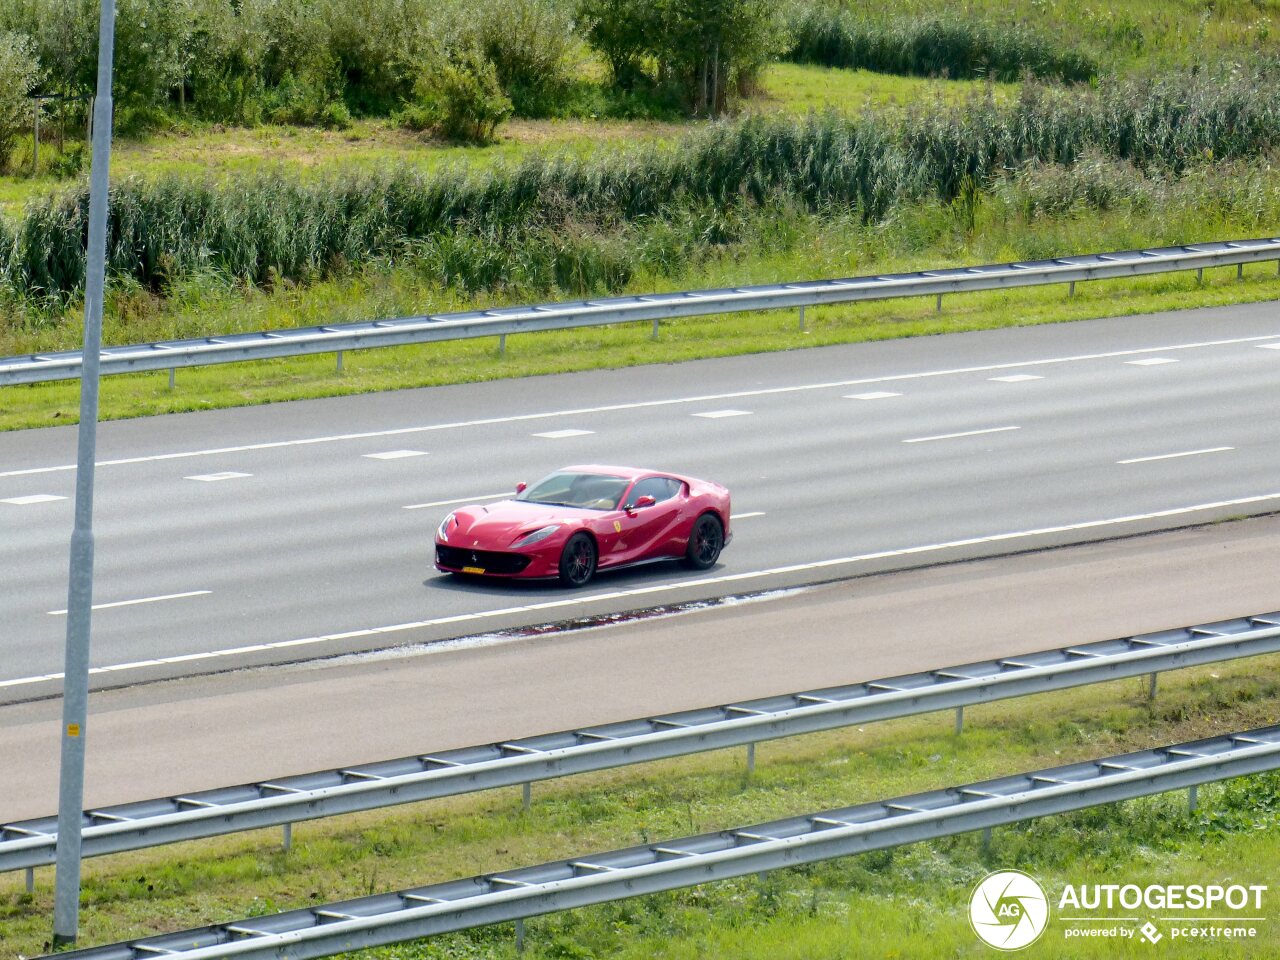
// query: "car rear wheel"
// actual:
[[578, 560], [705, 542]]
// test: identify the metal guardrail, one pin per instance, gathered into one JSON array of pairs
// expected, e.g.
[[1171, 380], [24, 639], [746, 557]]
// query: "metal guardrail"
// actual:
[[337, 338], [619, 874], [150, 823]]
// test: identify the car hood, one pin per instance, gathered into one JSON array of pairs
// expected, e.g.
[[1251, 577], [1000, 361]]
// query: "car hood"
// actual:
[[495, 525]]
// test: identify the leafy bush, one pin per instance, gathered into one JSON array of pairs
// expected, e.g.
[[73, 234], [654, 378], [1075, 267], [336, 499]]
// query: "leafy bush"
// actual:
[[709, 51], [622, 31], [19, 74], [947, 46], [68, 163], [459, 100], [528, 42]]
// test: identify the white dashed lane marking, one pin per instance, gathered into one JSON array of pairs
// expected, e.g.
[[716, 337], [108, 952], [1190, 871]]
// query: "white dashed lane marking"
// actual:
[[966, 433], [875, 395], [744, 516], [563, 434], [718, 414], [650, 404], [396, 454], [215, 477], [448, 503], [130, 603], [1150, 361], [692, 584], [34, 498], [1016, 378], [1172, 456]]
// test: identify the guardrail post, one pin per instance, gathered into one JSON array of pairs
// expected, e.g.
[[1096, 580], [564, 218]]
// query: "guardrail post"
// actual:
[[751, 758], [502, 345], [986, 838], [288, 837], [172, 372], [1192, 797], [959, 720], [802, 320], [1151, 691], [654, 335], [1071, 289], [937, 307], [519, 936], [526, 795], [31, 879], [1199, 274], [1239, 271], [339, 361]]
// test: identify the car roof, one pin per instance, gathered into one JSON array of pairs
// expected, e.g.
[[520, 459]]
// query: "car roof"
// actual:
[[630, 473]]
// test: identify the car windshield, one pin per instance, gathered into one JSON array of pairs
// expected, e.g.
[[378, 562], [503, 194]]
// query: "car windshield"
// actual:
[[594, 491]]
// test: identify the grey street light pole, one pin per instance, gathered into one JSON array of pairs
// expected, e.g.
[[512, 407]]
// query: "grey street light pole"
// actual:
[[75, 683]]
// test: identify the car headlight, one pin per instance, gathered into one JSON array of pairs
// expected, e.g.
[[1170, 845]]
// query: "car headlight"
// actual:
[[537, 536], [442, 531]]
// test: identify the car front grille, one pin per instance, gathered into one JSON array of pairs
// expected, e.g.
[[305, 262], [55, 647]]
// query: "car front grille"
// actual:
[[490, 561]]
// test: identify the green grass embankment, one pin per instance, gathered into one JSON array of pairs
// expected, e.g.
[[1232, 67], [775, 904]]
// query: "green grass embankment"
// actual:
[[900, 903]]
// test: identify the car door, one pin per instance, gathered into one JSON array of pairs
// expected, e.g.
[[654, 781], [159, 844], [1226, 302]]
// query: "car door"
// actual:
[[649, 531]]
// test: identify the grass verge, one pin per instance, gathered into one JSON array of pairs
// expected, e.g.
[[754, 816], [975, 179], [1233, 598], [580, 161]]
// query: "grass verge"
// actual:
[[394, 293], [900, 903]]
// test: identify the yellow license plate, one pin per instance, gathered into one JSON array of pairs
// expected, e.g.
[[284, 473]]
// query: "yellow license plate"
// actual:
[[473, 569]]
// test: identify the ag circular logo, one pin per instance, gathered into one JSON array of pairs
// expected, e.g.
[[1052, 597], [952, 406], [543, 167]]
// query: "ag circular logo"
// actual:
[[1008, 910]]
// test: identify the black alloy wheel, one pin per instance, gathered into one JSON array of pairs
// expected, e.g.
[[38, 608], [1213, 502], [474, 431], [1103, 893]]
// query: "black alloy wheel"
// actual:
[[705, 543], [578, 560]]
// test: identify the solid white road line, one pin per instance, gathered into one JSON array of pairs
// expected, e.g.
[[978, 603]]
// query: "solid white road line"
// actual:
[[1016, 378], [215, 477], [447, 503], [966, 433], [1172, 456], [717, 414], [874, 395], [1150, 361], [744, 516], [645, 404], [130, 603], [34, 498], [578, 601], [563, 434], [395, 454]]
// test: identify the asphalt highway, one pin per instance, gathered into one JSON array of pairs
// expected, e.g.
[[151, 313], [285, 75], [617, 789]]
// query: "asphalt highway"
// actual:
[[290, 531], [158, 739]]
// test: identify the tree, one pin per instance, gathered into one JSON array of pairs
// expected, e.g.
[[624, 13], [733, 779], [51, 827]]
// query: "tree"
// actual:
[[711, 50], [19, 76]]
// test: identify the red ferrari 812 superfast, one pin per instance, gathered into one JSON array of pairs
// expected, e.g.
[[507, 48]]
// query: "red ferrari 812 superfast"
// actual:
[[582, 519]]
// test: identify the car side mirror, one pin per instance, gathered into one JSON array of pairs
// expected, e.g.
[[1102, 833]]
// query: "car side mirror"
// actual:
[[642, 502], [521, 487]]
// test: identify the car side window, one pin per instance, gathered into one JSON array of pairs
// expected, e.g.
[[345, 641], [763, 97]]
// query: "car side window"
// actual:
[[660, 488]]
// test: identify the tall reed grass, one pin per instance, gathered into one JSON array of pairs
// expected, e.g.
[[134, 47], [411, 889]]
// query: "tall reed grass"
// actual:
[[942, 46], [271, 228]]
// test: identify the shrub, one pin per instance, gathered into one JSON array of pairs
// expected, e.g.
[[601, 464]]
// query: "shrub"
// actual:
[[709, 51], [528, 43], [622, 31], [459, 99]]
